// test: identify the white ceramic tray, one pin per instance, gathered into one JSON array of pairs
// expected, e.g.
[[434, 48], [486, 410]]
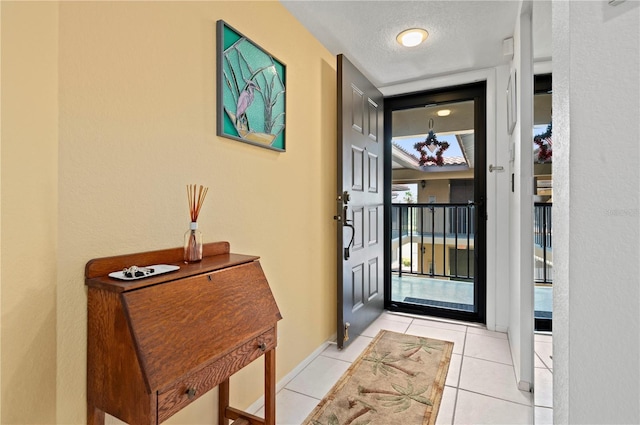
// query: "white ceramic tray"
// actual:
[[157, 269]]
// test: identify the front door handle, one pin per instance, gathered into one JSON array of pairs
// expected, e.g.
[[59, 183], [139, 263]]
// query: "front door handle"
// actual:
[[344, 199], [347, 223]]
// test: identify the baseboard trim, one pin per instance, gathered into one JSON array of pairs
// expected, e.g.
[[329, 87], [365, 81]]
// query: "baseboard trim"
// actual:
[[524, 386]]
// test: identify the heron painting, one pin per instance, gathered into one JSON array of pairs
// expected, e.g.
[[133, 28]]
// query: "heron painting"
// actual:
[[251, 91]]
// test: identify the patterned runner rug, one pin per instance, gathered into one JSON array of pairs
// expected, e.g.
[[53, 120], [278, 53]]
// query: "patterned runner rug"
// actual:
[[398, 379]]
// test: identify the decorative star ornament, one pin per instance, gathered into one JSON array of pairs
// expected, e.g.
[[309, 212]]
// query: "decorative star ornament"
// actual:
[[432, 144], [545, 145]]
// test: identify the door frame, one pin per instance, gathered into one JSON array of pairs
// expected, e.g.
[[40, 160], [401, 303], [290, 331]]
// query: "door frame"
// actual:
[[478, 92]]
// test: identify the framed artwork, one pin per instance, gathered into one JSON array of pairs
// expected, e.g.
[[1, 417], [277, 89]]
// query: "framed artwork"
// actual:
[[251, 91], [512, 102]]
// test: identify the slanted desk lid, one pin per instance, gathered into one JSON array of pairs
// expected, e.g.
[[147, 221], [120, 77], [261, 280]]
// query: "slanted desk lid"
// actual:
[[181, 325]]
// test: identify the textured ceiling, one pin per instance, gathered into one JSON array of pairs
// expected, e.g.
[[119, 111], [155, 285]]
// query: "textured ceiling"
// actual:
[[463, 35]]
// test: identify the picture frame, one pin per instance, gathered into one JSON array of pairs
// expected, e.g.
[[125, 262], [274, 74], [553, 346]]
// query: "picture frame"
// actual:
[[251, 91], [512, 102]]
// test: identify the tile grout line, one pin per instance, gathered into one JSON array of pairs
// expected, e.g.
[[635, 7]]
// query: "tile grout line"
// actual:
[[464, 355], [455, 400], [551, 372], [302, 394], [479, 393], [464, 349], [544, 364], [408, 326], [540, 357], [497, 398], [491, 361], [285, 386]]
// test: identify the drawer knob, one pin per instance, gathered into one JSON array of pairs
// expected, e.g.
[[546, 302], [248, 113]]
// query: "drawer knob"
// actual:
[[191, 393], [262, 346]]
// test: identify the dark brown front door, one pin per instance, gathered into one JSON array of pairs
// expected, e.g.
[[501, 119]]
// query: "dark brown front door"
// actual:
[[360, 202]]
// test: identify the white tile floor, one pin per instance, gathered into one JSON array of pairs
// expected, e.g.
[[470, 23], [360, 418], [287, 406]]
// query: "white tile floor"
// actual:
[[543, 400], [480, 386]]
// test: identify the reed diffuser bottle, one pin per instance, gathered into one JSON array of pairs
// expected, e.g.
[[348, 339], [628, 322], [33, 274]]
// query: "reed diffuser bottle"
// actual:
[[193, 236], [193, 244]]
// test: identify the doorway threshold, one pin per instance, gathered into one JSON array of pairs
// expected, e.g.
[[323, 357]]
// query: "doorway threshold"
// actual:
[[437, 319]]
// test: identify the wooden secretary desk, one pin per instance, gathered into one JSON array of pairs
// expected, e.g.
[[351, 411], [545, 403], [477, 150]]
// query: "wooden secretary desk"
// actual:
[[158, 343]]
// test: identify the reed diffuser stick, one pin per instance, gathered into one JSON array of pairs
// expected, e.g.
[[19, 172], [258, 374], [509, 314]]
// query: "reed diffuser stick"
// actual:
[[193, 238], [196, 197]]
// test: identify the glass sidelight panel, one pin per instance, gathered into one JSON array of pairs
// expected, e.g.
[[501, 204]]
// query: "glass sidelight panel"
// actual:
[[543, 197]]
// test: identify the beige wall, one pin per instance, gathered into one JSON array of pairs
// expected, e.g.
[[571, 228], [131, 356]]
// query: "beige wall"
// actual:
[[29, 212], [436, 184], [136, 125], [405, 175], [437, 188]]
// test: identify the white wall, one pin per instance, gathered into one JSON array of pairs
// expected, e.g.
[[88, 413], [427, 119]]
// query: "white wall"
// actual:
[[499, 247], [521, 206], [596, 169]]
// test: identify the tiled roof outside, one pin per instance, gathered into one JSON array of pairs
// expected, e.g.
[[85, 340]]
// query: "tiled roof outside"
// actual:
[[448, 160], [451, 160], [412, 155]]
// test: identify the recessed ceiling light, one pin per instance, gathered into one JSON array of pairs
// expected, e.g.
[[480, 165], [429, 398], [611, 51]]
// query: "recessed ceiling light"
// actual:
[[412, 37], [444, 112]]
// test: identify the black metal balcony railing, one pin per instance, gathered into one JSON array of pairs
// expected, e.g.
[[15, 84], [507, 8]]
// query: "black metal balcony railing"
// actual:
[[542, 238], [437, 240], [439, 237]]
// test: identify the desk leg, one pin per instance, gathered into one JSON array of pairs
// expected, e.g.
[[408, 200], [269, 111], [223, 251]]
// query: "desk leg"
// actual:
[[95, 416], [223, 402], [270, 387]]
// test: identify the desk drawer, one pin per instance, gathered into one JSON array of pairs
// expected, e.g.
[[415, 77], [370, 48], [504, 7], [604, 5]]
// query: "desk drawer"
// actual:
[[180, 394]]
